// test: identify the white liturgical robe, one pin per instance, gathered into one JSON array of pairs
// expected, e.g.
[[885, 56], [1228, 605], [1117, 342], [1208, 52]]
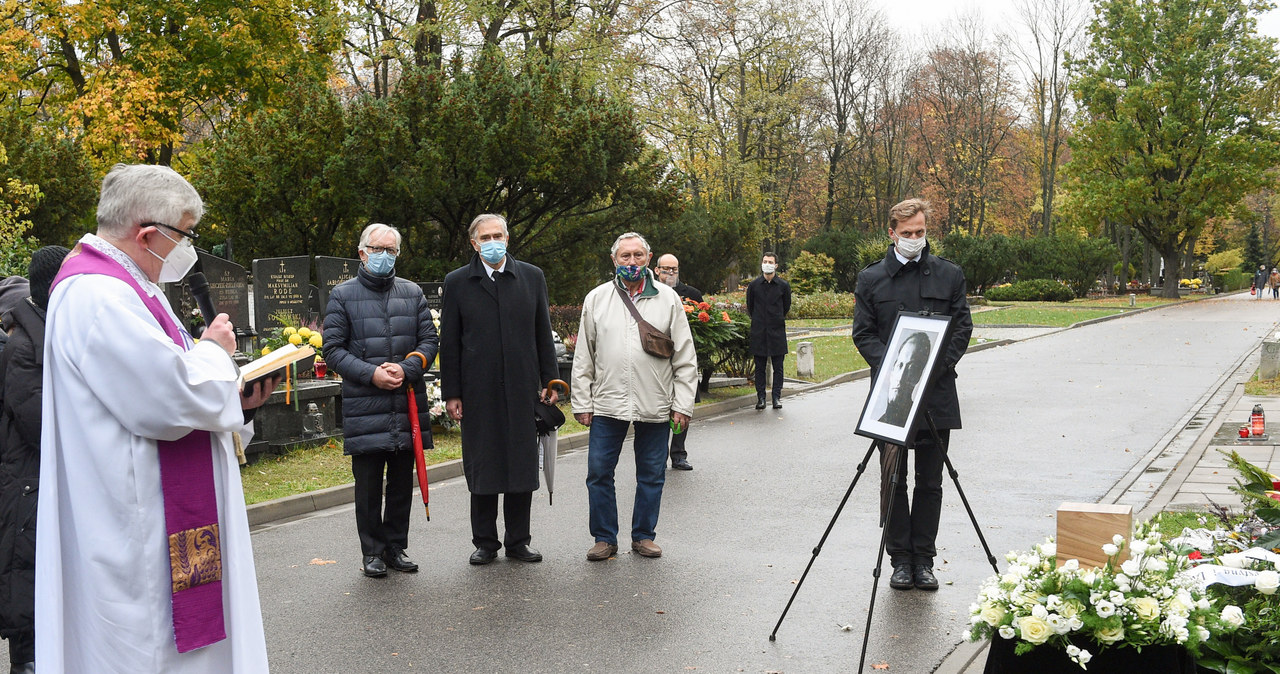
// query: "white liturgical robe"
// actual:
[[114, 384]]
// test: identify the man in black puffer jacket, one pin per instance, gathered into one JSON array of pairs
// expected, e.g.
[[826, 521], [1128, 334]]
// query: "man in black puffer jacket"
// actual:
[[373, 323], [21, 384]]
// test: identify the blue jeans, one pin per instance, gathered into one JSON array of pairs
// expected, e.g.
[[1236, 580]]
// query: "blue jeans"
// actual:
[[603, 447]]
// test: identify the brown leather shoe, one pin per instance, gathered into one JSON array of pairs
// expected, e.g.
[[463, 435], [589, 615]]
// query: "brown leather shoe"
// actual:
[[646, 548], [601, 551]]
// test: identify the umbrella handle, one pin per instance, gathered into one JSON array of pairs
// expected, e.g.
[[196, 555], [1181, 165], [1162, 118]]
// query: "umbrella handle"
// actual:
[[556, 384], [420, 357]]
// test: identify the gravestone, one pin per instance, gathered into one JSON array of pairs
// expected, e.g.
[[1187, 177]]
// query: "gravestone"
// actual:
[[435, 295], [330, 271], [804, 359], [229, 290], [280, 287]]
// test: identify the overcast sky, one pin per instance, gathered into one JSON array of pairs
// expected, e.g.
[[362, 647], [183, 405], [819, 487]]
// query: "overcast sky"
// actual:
[[908, 16]]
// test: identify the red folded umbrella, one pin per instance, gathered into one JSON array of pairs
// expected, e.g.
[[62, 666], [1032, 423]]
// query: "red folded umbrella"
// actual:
[[416, 427]]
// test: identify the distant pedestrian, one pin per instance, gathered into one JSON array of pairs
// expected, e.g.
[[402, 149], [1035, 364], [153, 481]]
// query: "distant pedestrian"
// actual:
[[496, 356], [768, 302], [374, 321], [668, 272], [618, 384], [1260, 281], [910, 278], [1274, 283]]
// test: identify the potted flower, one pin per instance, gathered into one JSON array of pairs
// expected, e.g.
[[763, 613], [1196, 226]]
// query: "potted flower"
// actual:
[[1146, 613]]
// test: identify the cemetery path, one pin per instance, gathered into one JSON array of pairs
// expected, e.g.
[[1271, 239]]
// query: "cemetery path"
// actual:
[[1062, 417]]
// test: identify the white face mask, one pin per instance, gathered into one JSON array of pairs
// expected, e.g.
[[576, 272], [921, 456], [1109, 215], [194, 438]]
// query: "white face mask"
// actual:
[[910, 248], [179, 261], [768, 267]]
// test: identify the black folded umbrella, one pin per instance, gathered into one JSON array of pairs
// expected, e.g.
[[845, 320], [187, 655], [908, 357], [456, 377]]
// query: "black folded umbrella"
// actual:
[[548, 419]]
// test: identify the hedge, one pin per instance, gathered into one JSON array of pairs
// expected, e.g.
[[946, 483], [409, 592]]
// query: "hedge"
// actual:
[[822, 305], [1035, 290]]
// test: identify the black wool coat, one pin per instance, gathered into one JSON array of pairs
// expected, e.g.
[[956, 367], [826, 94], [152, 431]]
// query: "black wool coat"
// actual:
[[768, 304], [373, 320], [687, 292], [21, 383], [497, 355], [937, 285]]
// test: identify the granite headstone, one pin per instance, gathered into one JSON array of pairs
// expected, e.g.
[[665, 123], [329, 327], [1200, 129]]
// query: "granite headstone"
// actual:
[[330, 271], [280, 286], [229, 290]]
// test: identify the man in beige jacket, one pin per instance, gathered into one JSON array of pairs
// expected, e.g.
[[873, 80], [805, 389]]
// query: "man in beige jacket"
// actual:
[[617, 384]]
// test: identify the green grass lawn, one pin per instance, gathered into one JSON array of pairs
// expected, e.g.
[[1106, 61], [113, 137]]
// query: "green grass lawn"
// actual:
[[1058, 316]]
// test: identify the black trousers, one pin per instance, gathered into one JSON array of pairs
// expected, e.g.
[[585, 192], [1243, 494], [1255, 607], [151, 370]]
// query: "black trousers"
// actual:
[[912, 531], [515, 517], [383, 530], [761, 363], [678, 452], [22, 648]]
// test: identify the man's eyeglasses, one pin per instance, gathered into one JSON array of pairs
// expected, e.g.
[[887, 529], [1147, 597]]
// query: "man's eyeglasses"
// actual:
[[190, 235], [374, 250], [669, 270]]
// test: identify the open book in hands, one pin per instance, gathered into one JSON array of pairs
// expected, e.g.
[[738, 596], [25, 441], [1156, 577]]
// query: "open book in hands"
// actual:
[[276, 362]]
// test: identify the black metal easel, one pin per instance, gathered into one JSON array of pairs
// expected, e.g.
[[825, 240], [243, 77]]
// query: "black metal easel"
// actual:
[[898, 475]]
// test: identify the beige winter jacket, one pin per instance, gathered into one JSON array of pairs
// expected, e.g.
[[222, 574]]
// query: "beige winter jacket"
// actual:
[[613, 376]]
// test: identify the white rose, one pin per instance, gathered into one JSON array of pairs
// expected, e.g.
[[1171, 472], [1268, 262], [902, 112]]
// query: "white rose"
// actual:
[[1202, 633], [1110, 550], [1034, 630], [1007, 632], [1071, 565], [1109, 635], [1058, 624], [1054, 602], [1233, 616], [1234, 560], [1116, 597], [1267, 582], [1146, 608], [1138, 547], [992, 614], [1039, 612], [1088, 576], [1131, 567], [1105, 609], [1084, 657], [1117, 539], [1048, 549], [1158, 565]]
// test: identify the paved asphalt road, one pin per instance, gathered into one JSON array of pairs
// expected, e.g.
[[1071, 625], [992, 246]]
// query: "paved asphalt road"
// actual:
[[1052, 419]]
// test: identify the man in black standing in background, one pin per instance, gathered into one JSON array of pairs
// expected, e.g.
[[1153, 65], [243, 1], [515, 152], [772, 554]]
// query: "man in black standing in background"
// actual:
[[496, 356], [668, 272], [768, 301], [910, 278]]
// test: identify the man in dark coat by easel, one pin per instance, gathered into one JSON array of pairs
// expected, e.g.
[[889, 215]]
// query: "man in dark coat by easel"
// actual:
[[496, 356]]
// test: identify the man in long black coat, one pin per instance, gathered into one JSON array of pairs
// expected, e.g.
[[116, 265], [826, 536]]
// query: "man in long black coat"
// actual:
[[667, 270], [768, 302], [496, 356], [910, 279]]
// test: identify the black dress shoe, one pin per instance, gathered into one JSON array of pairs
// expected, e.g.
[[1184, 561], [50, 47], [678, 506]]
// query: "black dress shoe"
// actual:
[[524, 553], [777, 403], [682, 465], [483, 556], [901, 578], [374, 566], [759, 402], [925, 580], [399, 561]]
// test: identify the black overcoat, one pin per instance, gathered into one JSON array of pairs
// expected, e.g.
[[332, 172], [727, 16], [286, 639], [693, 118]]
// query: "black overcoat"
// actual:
[[21, 383], [935, 284], [768, 304], [373, 320], [497, 355]]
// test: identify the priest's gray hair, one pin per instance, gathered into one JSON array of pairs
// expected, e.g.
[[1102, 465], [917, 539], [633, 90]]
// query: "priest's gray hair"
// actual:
[[629, 235], [376, 229], [483, 218], [136, 193]]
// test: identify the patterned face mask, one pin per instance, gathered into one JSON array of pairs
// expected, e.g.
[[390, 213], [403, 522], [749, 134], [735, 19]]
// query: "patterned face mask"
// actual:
[[630, 272]]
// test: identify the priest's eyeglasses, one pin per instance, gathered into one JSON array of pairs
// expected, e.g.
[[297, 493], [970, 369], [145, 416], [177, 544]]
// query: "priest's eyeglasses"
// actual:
[[190, 235]]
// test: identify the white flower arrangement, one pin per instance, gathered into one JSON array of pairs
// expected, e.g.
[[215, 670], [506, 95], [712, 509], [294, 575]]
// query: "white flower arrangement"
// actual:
[[439, 417], [1145, 601]]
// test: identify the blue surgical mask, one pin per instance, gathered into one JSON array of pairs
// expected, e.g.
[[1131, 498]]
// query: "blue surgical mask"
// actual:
[[493, 251], [381, 264], [630, 272]]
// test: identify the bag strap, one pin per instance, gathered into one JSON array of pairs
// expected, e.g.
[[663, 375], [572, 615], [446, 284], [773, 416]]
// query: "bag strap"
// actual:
[[631, 306]]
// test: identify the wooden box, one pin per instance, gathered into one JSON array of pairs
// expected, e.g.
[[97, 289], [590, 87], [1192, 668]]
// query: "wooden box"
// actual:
[[1083, 528]]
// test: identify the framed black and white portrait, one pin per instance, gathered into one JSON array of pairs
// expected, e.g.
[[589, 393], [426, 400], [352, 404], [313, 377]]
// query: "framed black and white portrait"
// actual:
[[910, 358]]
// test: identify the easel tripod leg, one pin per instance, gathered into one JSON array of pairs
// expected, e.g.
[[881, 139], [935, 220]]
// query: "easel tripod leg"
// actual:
[[773, 636], [899, 473]]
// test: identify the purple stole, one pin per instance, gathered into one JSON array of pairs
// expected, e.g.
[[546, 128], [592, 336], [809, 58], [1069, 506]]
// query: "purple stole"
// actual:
[[186, 478]]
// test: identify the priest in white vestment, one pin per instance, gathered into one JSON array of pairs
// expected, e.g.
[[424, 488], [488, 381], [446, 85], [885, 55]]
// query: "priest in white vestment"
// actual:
[[122, 381]]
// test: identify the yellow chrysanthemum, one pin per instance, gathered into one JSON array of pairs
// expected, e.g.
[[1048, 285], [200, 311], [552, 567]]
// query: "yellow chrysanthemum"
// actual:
[[266, 350], [305, 332], [295, 339], [315, 340], [289, 332]]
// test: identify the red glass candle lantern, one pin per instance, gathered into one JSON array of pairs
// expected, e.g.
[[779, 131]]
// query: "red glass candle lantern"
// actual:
[[1257, 422]]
